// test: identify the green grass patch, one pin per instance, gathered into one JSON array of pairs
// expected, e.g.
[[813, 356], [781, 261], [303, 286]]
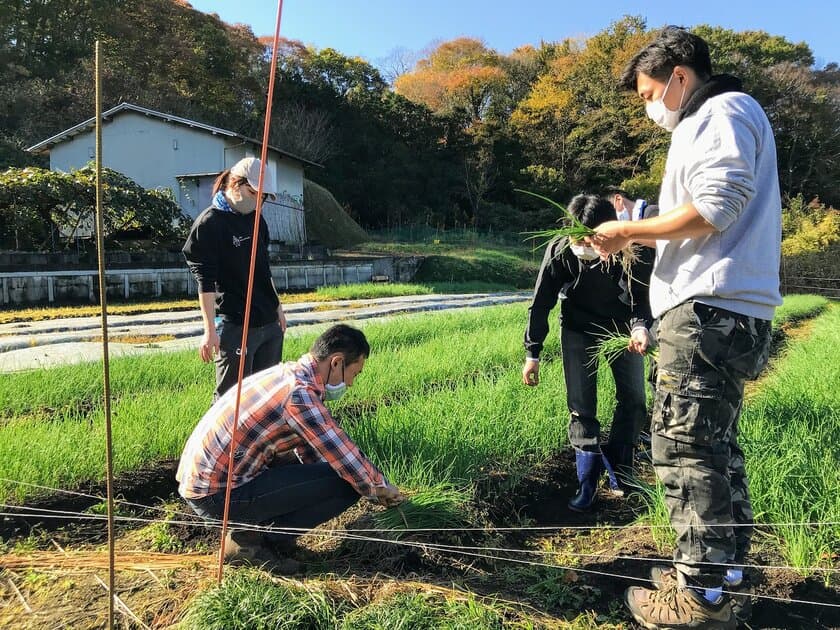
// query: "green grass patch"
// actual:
[[797, 307], [458, 256], [790, 431], [249, 600], [369, 290], [480, 264], [426, 611]]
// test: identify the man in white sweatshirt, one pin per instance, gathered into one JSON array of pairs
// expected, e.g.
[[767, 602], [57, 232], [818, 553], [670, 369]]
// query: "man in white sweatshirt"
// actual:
[[714, 288]]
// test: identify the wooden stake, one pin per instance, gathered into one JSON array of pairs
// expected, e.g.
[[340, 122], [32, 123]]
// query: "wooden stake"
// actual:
[[106, 376]]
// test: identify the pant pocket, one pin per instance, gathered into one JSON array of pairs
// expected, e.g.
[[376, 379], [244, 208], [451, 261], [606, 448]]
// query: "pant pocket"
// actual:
[[749, 352], [687, 408]]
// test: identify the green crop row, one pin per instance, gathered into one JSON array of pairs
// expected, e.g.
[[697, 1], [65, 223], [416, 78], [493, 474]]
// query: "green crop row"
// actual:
[[49, 393], [790, 431], [52, 434], [440, 403]]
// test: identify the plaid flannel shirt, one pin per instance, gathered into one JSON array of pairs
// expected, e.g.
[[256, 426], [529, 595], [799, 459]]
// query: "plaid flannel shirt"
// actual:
[[282, 421]]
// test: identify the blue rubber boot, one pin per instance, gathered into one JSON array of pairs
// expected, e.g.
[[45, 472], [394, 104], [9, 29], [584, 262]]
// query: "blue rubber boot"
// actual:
[[588, 466], [618, 462]]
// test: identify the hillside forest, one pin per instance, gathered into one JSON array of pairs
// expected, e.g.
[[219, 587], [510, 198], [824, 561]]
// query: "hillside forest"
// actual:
[[441, 138]]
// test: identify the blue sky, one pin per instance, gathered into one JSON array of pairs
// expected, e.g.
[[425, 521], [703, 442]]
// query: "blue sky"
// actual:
[[373, 28]]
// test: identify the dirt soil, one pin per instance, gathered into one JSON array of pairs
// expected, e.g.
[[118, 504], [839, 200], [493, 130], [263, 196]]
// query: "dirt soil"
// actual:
[[71, 597]]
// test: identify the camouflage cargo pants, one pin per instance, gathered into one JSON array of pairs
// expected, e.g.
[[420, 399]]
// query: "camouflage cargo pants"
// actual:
[[705, 356]]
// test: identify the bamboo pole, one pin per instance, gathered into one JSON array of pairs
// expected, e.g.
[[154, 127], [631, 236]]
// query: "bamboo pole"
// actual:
[[106, 377], [254, 242]]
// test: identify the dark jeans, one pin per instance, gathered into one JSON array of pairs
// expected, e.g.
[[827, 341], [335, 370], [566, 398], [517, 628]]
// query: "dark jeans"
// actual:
[[705, 356], [581, 377], [295, 496], [265, 349]]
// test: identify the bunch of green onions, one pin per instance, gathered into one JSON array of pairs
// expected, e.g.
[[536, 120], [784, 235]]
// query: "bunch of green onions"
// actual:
[[612, 345], [437, 507], [573, 229]]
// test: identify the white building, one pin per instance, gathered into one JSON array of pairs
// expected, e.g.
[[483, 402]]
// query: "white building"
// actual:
[[159, 150]]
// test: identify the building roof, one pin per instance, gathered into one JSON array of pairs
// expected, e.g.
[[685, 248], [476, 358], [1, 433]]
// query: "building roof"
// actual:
[[45, 145]]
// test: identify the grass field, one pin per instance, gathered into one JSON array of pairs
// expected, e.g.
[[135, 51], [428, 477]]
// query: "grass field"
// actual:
[[439, 407]]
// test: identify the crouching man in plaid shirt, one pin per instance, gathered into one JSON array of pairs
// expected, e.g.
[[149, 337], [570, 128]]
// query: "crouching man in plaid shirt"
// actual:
[[294, 467]]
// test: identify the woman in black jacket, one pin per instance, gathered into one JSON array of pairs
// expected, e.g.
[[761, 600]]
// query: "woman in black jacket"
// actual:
[[597, 298], [218, 252]]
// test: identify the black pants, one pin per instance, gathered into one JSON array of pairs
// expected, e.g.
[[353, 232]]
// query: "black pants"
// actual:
[[298, 496], [265, 349], [579, 349]]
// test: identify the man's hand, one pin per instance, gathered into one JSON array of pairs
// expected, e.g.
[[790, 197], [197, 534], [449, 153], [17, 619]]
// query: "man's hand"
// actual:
[[609, 238], [639, 340], [531, 373], [282, 316], [389, 495], [209, 346]]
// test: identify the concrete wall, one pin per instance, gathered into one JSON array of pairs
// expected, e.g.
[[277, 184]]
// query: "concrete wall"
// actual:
[[24, 288]]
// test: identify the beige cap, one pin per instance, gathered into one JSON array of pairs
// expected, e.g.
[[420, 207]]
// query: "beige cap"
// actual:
[[249, 168]]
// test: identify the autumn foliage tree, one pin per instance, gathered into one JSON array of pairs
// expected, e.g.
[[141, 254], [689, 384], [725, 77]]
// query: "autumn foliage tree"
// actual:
[[461, 76]]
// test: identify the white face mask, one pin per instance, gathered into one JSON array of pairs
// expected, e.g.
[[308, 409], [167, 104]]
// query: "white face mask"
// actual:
[[334, 392], [584, 252], [239, 202], [657, 111]]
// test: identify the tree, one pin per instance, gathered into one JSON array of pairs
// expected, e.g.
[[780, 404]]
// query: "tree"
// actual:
[[461, 76], [42, 209], [158, 53], [578, 129], [304, 131], [398, 62]]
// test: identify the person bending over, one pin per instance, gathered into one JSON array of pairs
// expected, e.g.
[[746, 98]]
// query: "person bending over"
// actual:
[[597, 298]]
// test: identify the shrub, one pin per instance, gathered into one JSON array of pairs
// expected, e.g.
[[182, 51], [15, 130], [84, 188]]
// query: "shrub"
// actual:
[[808, 229], [40, 209], [810, 246]]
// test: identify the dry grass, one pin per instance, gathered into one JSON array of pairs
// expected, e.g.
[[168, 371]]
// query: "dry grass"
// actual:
[[133, 339], [57, 312], [64, 598], [38, 314], [97, 560]]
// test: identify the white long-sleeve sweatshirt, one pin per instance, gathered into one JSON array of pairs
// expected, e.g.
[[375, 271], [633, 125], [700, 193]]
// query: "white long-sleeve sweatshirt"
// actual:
[[723, 160]]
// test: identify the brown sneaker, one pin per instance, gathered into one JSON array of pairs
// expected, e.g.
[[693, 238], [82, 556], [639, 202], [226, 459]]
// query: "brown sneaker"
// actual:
[[662, 576], [741, 593], [246, 548], [677, 608]]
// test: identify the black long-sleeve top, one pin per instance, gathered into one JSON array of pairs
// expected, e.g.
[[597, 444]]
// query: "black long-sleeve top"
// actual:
[[595, 298], [218, 253]]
